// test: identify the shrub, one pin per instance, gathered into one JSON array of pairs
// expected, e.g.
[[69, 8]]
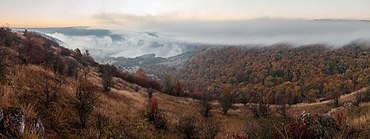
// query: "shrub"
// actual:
[[366, 96], [152, 110], [72, 68], [150, 93], [336, 101], [283, 110], [244, 98], [106, 74], [65, 52], [205, 105], [210, 129], [260, 128], [358, 100], [167, 85], [102, 122], [319, 126], [126, 128], [188, 127], [136, 88], [227, 100], [239, 136], [146, 82], [155, 115], [261, 110], [299, 130]]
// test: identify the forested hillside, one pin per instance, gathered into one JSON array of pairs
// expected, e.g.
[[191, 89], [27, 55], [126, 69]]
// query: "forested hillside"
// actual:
[[284, 73]]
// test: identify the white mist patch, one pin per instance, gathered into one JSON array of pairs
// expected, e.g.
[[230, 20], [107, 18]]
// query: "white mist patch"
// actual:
[[131, 45]]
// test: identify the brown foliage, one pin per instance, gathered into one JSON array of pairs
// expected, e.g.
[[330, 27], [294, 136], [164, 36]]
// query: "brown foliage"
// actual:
[[140, 79], [227, 99], [155, 115], [210, 128], [301, 73], [188, 127]]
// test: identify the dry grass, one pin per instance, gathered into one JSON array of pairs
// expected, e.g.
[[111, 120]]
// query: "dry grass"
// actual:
[[359, 119], [123, 103], [8, 97]]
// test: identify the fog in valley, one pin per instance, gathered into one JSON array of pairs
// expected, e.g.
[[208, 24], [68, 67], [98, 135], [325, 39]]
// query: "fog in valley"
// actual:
[[172, 38]]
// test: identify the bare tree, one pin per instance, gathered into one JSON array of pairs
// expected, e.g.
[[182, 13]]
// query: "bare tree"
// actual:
[[85, 71], [50, 89], [284, 106], [336, 102], [168, 85], [227, 100], [102, 122], [3, 66], [3, 69], [106, 77], [86, 100], [150, 93], [205, 105], [262, 108], [358, 100], [283, 110], [244, 98]]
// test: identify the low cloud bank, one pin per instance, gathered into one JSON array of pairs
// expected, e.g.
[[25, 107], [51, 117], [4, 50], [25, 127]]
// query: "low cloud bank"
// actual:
[[130, 45], [267, 31], [167, 39]]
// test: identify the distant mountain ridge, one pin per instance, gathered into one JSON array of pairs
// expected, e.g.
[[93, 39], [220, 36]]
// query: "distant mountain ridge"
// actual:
[[152, 65]]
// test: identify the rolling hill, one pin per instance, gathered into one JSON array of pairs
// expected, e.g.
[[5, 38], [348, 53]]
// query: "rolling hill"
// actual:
[[72, 96]]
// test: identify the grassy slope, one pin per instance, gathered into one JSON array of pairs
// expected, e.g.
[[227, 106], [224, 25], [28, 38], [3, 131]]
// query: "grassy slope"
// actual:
[[233, 121], [125, 103]]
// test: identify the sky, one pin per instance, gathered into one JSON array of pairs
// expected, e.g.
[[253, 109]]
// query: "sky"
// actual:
[[134, 13]]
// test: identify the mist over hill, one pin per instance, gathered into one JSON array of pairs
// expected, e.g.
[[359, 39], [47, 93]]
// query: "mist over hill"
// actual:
[[103, 43], [174, 38]]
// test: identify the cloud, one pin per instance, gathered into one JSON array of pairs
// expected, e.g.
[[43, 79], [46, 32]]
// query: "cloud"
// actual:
[[122, 20], [167, 39], [75, 31], [265, 31], [131, 44], [116, 19]]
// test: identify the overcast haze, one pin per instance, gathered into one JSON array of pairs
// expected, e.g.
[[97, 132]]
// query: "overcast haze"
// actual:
[[51, 13]]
